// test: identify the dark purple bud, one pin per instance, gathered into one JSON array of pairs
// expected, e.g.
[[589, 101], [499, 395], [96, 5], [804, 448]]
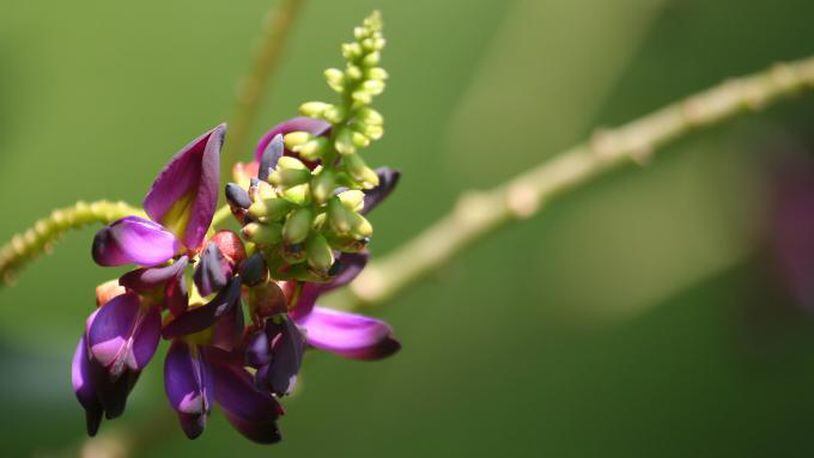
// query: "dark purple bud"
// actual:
[[271, 154], [212, 271], [150, 278], [287, 350], [123, 335], [188, 383], [252, 412], [254, 270], [237, 196], [388, 179], [200, 318], [113, 393]]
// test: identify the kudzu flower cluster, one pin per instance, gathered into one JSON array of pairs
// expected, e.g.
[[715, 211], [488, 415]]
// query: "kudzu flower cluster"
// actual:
[[239, 308]]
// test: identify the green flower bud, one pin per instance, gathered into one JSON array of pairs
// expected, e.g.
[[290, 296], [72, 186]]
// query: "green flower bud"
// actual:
[[322, 186], [334, 114], [362, 97], [377, 73], [335, 79], [297, 226], [360, 33], [347, 243], [359, 171], [373, 131], [353, 72], [374, 87], [351, 51], [372, 59], [353, 200], [299, 195], [295, 139], [313, 109], [339, 217], [290, 172], [369, 116], [272, 209], [313, 149], [319, 254], [360, 140], [344, 142], [360, 226], [263, 235]]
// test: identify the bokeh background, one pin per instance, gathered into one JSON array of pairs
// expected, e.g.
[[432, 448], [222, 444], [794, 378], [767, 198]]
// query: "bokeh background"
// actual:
[[647, 314]]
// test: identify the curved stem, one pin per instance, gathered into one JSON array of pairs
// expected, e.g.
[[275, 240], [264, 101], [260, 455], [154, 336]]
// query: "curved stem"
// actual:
[[26, 246], [250, 91], [480, 213]]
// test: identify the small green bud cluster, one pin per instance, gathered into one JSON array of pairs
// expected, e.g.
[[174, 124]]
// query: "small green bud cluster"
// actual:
[[309, 207]]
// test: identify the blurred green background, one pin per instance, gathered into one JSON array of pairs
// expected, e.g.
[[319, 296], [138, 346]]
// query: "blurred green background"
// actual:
[[639, 316]]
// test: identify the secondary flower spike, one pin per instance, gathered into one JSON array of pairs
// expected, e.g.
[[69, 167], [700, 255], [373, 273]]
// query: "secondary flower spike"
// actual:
[[239, 309]]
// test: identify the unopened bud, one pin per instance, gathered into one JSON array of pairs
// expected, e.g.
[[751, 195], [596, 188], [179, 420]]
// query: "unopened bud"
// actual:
[[290, 172], [360, 140], [351, 50], [313, 109], [319, 254], [266, 299], [353, 72], [335, 79], [294, 139], [299, 195], [370, 116], [360, 226], [362, 97], [353, 200], [297, 226], [374, 87], [377, 73], [359, 171], [344, 142], [372, 59], [293, 253], [270, 209], [254, 270], [263, 235], [322, 186], [339, 217], [237, 196], [312, 150]]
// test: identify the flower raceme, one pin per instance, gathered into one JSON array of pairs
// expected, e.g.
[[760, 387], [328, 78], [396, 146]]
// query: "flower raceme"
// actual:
[[301, 203]]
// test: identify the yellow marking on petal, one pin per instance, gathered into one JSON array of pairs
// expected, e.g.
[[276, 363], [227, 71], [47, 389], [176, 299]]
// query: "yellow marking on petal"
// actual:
[[177, 217]]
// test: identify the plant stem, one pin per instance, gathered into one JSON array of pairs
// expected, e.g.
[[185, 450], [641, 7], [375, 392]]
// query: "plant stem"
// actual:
[[254, 86], [480, 213], [26, 246]]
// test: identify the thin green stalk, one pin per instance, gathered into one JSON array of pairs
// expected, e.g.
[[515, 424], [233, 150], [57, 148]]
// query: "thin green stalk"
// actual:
[[26, 246]]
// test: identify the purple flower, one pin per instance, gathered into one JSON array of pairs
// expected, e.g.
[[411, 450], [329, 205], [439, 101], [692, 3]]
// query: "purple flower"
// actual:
[[180, 204]]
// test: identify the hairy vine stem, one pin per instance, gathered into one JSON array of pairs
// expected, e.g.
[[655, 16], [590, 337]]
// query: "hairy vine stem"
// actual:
[[26, 246], [250, 90], [480, 213]]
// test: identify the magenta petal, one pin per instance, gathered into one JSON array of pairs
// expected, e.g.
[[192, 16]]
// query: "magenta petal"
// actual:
[[150, 278], [188, 383], [348, 335], [252, 412], [314, 126], [123, 335], [184, 196], [134, 240], [305, 301], [85, 387]]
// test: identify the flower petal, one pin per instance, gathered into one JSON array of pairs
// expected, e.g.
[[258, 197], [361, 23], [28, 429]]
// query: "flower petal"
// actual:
[[211, 272], [350, 266], [252, 412], [134, 240], [348, 335], [150, 278], [184, 196], [388, 179], [287, 350], [84, 386], [314, 126], [200, 318], [123, 335], [189, 386], [268, 160]]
